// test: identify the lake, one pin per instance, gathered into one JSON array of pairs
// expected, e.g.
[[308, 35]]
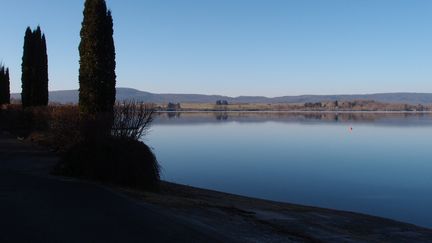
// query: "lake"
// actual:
[[379, 164]]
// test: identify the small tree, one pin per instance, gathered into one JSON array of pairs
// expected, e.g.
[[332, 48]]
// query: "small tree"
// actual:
[[4, 86], [97, 76], [34, 69]]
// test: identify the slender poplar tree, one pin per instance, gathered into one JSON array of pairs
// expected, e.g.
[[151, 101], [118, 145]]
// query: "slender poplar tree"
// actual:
[[97, 76], [34, 69]]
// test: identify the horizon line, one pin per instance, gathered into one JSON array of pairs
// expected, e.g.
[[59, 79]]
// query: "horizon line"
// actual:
[[262, 96]]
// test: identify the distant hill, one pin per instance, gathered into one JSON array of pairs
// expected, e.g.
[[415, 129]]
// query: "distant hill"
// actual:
[[71, 96]]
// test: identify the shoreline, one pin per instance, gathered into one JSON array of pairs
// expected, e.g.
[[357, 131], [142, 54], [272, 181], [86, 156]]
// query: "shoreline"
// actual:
[[243, 217]]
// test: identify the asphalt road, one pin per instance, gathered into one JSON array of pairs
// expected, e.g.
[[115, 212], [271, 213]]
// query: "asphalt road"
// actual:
[[37, 207]]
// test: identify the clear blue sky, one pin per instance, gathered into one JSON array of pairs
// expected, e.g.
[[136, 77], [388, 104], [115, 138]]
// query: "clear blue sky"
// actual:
[[239, 47]]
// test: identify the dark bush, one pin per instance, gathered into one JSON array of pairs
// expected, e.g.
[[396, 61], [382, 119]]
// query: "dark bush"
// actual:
[[22, 122], [13, 119], [120, 161], [65, 124], [40, 117], [87, 150]]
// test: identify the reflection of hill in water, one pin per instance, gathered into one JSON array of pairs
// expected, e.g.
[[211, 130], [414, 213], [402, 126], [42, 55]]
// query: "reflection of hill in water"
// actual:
[[387, 119]]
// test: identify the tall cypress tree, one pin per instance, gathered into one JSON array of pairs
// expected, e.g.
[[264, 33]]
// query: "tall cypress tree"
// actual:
[[4, 85], [43, 92], [26, 69], [2, 78], [34, 69], [97, 76]]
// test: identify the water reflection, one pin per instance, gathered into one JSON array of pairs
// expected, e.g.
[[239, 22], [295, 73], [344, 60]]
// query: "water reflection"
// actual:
[[388, 118], [375, 163]]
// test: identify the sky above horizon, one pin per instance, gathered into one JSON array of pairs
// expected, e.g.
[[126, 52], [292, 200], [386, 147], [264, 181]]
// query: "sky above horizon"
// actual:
[[239, 47]]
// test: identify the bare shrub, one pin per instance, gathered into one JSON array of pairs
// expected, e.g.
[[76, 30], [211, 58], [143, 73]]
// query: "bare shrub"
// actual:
[[132, 119]]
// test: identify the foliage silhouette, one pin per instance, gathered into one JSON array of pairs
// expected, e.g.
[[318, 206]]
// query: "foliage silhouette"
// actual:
[[120, 161], [34, 69]]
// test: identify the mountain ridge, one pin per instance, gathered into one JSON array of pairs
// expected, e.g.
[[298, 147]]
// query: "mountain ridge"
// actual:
[[71, 96]]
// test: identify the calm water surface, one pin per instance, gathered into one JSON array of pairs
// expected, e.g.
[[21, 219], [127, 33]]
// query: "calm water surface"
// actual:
[[378, 164]]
